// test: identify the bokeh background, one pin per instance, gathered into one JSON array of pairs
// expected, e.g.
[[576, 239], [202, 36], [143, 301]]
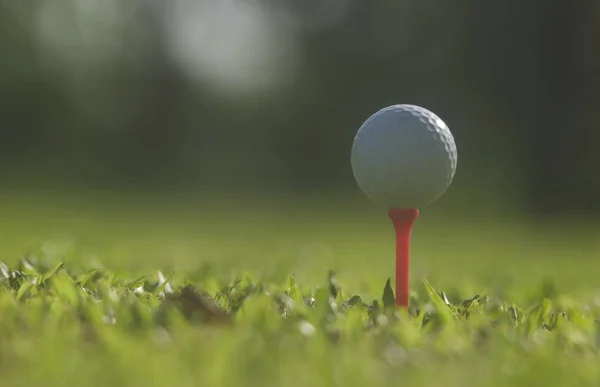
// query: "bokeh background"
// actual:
[[224, 100], [263, 95]]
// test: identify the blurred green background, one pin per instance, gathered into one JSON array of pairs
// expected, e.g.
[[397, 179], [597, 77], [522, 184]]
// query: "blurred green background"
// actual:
[[228, 124]]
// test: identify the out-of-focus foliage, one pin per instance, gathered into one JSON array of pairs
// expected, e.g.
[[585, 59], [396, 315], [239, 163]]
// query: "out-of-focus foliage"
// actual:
[[251, 93]]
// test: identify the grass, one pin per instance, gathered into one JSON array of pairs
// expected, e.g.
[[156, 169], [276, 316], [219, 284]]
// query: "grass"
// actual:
[[163, 292]]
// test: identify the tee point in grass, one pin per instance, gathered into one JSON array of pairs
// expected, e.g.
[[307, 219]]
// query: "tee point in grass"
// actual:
[[403, 157]]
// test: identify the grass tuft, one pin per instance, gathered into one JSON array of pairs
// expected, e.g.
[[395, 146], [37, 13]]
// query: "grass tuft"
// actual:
[[93, 326]]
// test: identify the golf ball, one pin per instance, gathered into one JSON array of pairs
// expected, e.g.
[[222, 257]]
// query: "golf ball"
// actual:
[[404, 157]]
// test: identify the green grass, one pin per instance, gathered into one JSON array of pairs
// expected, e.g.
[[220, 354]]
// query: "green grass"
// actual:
[[167, 291]]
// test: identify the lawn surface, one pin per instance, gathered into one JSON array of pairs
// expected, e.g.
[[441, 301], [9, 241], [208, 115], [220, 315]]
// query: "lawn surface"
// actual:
[[218, 292]]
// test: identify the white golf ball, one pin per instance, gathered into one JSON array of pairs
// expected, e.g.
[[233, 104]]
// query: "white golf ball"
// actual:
[[404, 157]]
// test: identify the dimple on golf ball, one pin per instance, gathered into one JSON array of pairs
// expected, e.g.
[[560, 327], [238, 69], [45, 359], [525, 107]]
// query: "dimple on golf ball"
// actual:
[[404, 156]]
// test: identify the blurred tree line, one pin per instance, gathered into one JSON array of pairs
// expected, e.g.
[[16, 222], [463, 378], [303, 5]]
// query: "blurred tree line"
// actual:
[[264, 93]]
